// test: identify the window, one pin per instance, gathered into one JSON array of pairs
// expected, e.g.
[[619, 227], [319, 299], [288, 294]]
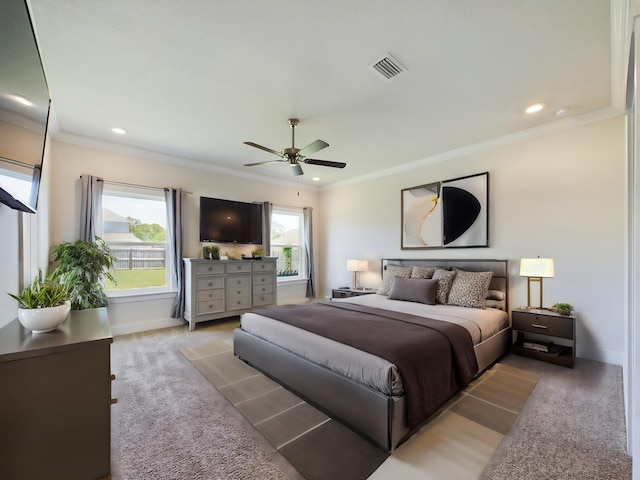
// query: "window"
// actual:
[[287, 242], [134, 221], [16, 180]]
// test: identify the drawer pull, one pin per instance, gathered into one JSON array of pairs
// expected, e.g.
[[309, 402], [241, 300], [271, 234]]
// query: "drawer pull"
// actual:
[[211, 284], [534, 325]]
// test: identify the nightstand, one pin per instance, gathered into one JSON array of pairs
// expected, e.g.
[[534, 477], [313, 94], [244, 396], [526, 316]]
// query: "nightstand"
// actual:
[[349, 292], [547, 326]]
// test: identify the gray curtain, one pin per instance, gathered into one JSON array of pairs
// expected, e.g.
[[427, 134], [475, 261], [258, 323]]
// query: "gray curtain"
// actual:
[[308, 239], [266, 227], [91, 208], [173, 197]]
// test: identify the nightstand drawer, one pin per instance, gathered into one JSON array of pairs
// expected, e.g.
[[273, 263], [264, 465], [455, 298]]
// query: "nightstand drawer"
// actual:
[[543, 324]]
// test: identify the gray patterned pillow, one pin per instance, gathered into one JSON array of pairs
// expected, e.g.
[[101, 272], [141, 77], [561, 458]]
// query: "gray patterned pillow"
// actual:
[[390, 274], [445, 280], [469, 289], [422, 272]]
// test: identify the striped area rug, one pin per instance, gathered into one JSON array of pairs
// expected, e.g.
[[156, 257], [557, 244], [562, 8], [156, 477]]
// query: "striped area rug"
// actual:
[[457, 443]]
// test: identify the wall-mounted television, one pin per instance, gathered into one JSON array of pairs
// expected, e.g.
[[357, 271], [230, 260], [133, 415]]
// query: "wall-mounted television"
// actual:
[[228, 221], [24, 108]]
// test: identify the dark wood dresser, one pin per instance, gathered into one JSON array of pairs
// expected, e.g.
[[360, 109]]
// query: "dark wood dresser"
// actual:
[[55, 399]]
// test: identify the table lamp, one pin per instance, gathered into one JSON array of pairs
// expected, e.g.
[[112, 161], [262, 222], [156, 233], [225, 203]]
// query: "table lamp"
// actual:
[[356, 266], [535, 269]]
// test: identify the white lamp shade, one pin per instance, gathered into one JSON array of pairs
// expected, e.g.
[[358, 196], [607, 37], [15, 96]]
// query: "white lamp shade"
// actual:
[[357, 265], [536, 267]]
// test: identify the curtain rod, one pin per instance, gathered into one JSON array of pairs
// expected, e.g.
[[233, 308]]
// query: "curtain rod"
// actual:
[[123, 184]]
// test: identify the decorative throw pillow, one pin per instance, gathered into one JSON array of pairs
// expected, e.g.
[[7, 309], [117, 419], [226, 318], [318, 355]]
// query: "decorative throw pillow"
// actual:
[[422, 272], [469, 289], [495, 295], [445, 280], [390, 274], [419, 290], [494, 304]]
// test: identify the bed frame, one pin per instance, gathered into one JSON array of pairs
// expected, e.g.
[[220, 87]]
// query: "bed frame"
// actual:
[[376, 416]]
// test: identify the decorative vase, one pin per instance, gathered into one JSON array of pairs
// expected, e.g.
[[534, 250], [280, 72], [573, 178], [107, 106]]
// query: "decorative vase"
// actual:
[[41, 320]]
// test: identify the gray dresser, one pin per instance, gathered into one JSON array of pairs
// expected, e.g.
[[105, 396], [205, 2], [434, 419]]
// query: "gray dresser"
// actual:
[[55, 399], [225, 288]]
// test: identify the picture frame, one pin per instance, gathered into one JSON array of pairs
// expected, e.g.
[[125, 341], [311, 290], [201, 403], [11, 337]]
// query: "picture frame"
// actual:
[[446, 214]]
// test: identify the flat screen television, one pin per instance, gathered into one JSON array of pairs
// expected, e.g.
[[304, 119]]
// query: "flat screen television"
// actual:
[[227, 221]]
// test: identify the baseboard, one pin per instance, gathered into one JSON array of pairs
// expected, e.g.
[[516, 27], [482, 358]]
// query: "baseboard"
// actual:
[[144, 326], [604, 356]]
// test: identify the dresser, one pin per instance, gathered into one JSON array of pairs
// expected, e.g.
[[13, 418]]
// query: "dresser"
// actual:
[[55, 399], [225, 288]]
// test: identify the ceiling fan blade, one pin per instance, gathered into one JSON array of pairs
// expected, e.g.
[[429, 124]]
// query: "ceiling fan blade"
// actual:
[[263, 163], [324, 163], [251, 144], [313, 148], [296, 169]]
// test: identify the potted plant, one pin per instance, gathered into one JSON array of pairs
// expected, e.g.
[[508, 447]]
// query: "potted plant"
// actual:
[[82, 269], [211, 251], [43, 305], [257, 253], [562, 308]]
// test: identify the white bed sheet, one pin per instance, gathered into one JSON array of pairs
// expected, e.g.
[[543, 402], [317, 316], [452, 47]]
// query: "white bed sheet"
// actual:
[[360, 366]]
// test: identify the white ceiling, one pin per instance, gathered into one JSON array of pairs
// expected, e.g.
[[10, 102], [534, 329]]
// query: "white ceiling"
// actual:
[[194, 79]]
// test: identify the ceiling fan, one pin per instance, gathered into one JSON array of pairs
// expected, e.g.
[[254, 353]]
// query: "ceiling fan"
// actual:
[[295, 156]]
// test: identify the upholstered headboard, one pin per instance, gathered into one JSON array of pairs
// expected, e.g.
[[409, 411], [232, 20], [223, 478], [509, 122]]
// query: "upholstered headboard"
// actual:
[[500, 269]]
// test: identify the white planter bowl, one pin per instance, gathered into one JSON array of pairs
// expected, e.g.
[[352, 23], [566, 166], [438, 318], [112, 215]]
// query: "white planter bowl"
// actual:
[[40, 320]]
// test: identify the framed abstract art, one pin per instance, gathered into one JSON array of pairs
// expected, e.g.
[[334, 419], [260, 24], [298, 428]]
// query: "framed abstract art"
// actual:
[[447, 214]]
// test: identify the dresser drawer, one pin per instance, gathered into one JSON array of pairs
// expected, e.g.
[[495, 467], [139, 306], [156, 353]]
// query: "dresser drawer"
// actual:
[[209, 283], [236, 292], [265, 288], [208, 295], [237, 302], [238, 281], [262, 279], [239, 267], [209, 268], [544, 324], [212, 306], [263, 299], [262, 266]]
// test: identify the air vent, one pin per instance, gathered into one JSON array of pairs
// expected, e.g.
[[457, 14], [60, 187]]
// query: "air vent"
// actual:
[[387, 67]]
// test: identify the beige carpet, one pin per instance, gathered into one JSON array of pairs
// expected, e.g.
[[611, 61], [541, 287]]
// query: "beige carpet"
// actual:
[[457, 443], [572, 427]]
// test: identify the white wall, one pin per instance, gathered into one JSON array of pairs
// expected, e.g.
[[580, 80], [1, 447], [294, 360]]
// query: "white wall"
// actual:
[[561, 195], [70, 161], [9, 261]]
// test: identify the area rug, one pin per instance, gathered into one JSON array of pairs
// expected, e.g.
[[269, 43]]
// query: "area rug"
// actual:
[[321, 448]]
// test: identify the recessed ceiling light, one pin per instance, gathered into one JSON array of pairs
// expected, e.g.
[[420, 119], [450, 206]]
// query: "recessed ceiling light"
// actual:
[[316, 179], [536, 107], [561, 112], [23, 100], [119, 130]]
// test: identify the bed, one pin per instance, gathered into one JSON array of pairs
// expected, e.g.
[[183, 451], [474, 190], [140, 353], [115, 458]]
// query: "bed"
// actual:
[[370, 393]]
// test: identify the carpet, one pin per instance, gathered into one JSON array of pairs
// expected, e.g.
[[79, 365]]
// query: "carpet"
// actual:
[[573, 426], [170, 424], [457, 443]]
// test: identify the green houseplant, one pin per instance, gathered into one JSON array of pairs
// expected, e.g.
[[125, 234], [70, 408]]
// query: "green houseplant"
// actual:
[[43, 305], [82, 268], [562, 308], [211, 251]]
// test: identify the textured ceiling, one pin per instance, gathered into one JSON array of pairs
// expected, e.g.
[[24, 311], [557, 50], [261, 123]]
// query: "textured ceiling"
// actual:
[[195, 79]]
